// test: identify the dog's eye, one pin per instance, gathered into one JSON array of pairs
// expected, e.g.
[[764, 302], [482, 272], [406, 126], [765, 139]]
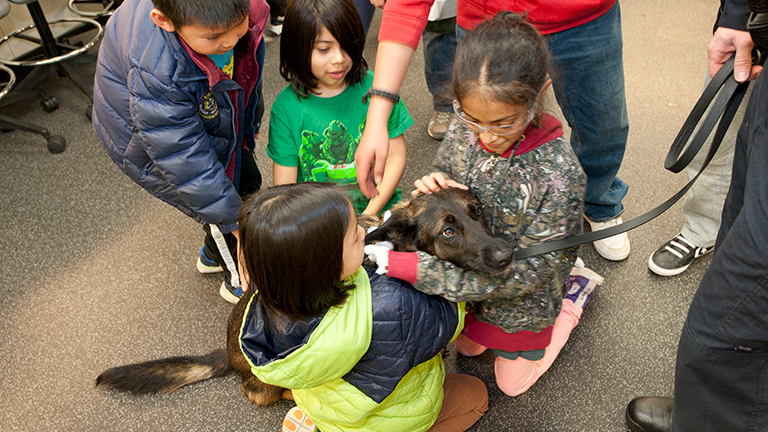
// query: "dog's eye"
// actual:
[[478, 211], [448, 232]]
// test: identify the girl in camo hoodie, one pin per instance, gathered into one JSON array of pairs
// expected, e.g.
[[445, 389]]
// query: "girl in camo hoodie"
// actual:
[[513, 157]]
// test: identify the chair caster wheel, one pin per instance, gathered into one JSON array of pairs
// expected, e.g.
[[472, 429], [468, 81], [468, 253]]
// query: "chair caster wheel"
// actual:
[[89, 112], [49, 104], [56, 144]]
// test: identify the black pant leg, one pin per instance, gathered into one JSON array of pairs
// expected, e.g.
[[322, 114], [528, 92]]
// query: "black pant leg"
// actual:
[[721, 375], [222, 249], [250, 175]]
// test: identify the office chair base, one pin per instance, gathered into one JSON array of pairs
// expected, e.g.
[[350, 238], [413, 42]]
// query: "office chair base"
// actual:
[[56, 143]]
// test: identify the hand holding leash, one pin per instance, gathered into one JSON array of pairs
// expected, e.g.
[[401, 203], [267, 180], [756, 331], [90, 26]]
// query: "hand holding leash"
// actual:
[[379, 253], [727, 43]]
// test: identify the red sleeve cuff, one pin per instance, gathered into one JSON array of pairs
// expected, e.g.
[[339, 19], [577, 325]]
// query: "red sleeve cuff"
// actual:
[[403, 21], [403, 266]]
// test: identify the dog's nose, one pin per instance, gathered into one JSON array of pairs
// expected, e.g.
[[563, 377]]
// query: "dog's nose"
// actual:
[[501, 257]]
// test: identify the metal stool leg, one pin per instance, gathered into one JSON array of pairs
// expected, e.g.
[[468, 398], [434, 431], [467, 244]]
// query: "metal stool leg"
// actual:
[[48, 41], [67, 70]]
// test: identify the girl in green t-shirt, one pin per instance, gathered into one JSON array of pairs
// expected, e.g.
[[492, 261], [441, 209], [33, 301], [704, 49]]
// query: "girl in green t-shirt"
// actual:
[[316, 122]]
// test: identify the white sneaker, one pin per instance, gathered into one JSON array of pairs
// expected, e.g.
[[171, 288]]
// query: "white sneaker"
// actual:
[[615, 248]]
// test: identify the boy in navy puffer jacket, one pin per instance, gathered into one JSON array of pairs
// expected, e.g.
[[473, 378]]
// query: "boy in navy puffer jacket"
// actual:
[[178, 105]]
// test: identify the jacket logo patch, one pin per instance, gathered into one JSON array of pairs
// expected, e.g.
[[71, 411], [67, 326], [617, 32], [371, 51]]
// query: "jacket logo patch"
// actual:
[[208, 108]]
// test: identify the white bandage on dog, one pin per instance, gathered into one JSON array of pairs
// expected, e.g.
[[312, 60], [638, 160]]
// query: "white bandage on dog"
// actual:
[[379, 253]]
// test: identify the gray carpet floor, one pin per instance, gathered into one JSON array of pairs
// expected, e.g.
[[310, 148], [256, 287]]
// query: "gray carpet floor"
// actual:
[[97, 273]]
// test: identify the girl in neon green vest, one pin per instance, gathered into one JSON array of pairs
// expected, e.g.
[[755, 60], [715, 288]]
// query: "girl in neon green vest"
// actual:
[[360, 351]]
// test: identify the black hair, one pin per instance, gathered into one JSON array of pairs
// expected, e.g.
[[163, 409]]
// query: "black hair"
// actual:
[[505, 56], [213, 14], [292, 243], [303, 22]]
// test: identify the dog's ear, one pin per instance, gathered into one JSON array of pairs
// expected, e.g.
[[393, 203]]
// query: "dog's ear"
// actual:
[[400, 229]]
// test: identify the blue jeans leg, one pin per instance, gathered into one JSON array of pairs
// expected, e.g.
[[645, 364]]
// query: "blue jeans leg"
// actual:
[[439, 51], [365, 9], [721, 375], [589, 87]]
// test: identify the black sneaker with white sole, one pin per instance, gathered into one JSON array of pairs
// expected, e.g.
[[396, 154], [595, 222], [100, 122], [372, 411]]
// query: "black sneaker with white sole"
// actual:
[[674, 256]]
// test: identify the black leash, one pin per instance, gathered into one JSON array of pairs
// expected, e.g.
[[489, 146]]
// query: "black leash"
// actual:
[[679, 155]]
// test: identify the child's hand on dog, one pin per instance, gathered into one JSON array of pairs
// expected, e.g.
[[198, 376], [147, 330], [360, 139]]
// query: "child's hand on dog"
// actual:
[[433, 183]]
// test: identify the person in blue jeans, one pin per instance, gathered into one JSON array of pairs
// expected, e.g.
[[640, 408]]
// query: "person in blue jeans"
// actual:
[[586, 43], [439, 40], [366, 9], [439, 44], [596, 109], [722, 357]]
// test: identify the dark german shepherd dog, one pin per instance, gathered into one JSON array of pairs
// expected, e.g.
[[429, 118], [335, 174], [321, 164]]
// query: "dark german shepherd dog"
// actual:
[[449, 224]]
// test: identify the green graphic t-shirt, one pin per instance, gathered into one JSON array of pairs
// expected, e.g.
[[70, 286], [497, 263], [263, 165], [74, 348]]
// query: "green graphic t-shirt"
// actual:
[[320, 135]]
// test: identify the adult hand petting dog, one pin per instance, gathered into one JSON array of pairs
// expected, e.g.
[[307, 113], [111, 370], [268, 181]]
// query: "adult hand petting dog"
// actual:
[[379, 253], [433, 183]]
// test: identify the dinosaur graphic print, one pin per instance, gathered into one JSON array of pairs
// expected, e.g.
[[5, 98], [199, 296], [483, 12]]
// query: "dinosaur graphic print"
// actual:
[[330, 156]]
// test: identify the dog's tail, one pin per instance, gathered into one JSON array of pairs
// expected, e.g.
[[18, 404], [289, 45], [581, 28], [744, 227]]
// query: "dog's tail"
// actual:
[[165, 375]]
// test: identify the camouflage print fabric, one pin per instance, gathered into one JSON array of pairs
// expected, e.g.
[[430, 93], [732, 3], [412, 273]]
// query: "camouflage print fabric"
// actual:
[[529, 199]]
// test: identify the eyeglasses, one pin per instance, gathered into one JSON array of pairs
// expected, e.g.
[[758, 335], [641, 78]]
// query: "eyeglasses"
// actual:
[[501, 130]]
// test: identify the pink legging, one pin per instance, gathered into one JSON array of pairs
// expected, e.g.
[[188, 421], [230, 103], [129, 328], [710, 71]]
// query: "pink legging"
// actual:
[[514, 377]]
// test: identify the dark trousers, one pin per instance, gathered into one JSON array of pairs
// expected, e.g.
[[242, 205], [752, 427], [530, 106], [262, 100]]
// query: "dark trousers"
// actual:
[[439, 39], [721, 377], [276, 8], [222, 247]]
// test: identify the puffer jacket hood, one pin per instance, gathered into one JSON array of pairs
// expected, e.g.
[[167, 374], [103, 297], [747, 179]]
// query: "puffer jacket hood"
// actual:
[[372, 364], [162, 123]]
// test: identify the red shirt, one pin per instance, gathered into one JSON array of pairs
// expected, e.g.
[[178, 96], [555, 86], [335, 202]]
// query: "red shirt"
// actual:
[[403, 21]]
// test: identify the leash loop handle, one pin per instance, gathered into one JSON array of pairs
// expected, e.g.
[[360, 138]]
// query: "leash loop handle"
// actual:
[[675, 162]]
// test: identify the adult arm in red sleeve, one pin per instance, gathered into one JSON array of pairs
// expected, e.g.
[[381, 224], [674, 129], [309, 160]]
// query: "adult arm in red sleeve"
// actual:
[[402, 23]]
